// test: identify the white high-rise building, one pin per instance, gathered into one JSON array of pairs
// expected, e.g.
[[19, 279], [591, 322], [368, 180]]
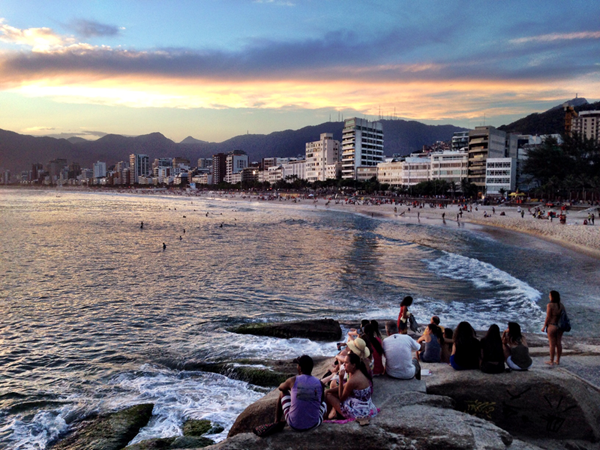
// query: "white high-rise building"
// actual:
[[362, 145], [139, 165], [235, 162], [99, 169], [320, 155]]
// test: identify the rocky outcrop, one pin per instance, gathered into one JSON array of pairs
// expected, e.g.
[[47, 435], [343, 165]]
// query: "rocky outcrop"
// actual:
[[110, 432], [318, 330], [538, 403], [410, 420]]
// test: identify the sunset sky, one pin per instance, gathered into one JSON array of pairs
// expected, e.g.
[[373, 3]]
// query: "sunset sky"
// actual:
[[214, 69]]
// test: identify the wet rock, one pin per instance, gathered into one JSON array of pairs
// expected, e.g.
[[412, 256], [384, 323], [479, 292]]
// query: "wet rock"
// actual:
[[172, 443], [109, 432], [194, 427], [539, 403], [319, 330]]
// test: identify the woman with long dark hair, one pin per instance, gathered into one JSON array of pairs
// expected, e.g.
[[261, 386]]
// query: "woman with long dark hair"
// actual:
[[352, 398], [553, 311], [492, 354], [466, 349], [516, 351], [377, 348]]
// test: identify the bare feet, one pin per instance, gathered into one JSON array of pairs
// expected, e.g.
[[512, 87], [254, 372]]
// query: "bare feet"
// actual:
[[550, 363]]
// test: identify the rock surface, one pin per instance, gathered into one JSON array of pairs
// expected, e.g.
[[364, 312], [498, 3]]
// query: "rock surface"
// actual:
[[318, 330], [410, 420], [539, 403], [172, 443], [111, 432]]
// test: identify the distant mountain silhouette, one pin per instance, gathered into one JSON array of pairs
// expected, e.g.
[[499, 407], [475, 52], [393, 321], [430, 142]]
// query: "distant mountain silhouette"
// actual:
[[548, 122], [76, 140], [191, 140], [18, 152]]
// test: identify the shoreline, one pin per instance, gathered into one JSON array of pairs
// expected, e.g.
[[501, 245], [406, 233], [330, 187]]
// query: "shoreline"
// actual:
[[573, 235]]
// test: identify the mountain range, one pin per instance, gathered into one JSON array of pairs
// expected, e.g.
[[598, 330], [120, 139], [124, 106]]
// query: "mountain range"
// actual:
[[18, 152]]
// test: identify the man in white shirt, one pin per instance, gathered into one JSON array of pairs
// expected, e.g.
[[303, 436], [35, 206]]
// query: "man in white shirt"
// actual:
[[398, 349]]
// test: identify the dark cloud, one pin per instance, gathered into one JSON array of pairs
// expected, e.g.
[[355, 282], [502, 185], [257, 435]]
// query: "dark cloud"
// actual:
[[91, 28], [400, 55]]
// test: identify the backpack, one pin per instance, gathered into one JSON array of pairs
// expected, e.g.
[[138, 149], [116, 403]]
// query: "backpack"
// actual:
[[564, 324]]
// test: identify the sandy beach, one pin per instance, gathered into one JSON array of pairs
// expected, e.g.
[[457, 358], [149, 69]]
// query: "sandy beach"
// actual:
[[574, 234]]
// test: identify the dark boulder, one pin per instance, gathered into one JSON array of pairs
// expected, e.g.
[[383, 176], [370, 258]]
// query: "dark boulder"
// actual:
[[318, 330], [172, 443], [109, 432]]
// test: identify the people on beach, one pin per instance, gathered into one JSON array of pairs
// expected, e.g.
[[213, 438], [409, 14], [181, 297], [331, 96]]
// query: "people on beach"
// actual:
[[553, 311], [352, 398], [398, 349], [431, 344], [492, 354], [402, 324], [301, 398], [466, 350], [516, 351]]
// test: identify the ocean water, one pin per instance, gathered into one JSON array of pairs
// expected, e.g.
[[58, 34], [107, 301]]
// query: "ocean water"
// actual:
[[95, 315]]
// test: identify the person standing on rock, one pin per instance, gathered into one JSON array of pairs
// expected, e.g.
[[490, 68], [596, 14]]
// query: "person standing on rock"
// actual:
[[398, 349], [301, 400], [555, 334]]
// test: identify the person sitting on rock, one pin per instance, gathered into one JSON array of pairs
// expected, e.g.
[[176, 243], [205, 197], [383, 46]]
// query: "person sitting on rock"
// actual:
[[516, 351], [447, 345], [436, 321], [352, 398], [376, 345], [466, 350], [492, 355], [301, 400], [398, 350], [431, 344]]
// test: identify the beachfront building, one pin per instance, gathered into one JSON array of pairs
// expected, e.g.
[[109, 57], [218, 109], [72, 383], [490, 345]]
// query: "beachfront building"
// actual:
[[415, 170], [451, 166], [320, 155], [218, 167], [139, 165], [99, 169], [365, 173], [460, 141], [486, 142], [587, 124], [390, 172], [500, 176], [362, 145], [205, 163], [235, 162]]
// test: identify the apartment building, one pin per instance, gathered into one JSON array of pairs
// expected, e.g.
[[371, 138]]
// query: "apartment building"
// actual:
[[460, 140], [587, 124], [501, 175], [219, 168], [235, 162], [451, 166], [139, 165], [362, 145], [484, 142], [320, 156], [415, 170]]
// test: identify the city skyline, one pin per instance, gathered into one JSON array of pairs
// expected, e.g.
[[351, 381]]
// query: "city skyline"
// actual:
[[214, 70]]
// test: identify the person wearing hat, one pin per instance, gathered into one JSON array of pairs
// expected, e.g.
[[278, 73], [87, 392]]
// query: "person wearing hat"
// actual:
[[398, 349], [301, 400]]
